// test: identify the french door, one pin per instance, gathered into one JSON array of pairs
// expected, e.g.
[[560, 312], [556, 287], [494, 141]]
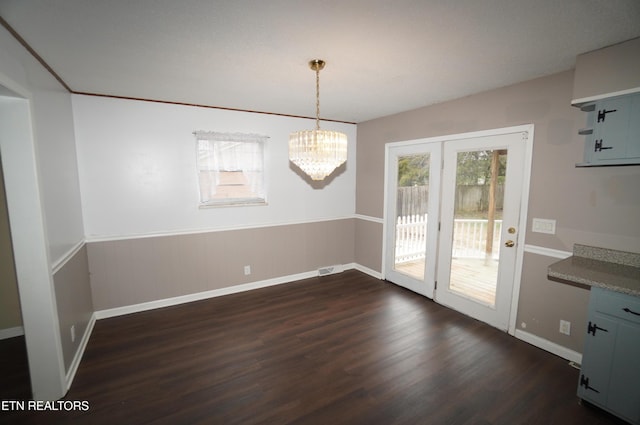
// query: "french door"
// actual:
[[455, 237], [478, 240], [412, 191]]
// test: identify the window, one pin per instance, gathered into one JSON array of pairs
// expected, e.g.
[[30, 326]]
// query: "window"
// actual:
[[230, 168]]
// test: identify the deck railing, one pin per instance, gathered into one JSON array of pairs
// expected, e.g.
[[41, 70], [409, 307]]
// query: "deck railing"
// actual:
[[469, 238], [411, 238]]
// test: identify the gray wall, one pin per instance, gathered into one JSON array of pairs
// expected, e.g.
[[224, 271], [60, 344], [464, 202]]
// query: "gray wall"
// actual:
[[9, 300], [619, 62], [75, 306], [132, 271], [598, 206]]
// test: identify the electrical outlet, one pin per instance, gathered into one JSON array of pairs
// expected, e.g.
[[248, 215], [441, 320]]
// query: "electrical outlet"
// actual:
[[541, 225], [73, 333], [247, 270], [565, 327]]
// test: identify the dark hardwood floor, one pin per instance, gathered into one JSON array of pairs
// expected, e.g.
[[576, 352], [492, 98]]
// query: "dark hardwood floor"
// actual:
[[341, 349], [14, 370]]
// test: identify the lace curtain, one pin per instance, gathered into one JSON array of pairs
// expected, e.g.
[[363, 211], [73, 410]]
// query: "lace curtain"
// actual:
[[220, 154]]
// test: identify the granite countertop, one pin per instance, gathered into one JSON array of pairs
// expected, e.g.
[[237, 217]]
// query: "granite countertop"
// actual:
[[605, 268]]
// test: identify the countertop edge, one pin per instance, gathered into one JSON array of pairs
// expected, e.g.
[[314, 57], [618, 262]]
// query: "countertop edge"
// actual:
[[597, 273]]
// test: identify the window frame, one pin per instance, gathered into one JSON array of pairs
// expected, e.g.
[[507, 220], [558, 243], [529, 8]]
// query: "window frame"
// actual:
[[216, 141]]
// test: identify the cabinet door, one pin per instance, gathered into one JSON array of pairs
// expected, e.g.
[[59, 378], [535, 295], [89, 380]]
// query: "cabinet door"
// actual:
[[597, 359], [624, 387], [633, 144], [611, 128]]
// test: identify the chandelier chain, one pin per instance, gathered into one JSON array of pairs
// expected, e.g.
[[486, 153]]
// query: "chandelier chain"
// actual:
[[317, 152], [318, 99]]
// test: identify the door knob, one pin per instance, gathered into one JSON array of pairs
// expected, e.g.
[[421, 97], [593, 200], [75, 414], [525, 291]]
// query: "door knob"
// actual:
[[509, 243]]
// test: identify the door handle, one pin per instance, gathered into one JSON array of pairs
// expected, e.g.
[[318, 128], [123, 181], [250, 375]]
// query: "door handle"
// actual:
[[509, 243]]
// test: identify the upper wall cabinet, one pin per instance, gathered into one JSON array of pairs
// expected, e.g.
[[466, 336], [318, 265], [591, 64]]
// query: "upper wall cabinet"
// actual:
[[612, 135], [606, 85], [611, 71]]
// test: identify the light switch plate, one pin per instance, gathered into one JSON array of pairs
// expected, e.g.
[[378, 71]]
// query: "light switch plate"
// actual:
[[541, 225]]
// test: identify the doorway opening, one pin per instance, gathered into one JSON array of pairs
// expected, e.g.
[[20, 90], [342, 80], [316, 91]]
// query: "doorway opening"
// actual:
[[14, 367]]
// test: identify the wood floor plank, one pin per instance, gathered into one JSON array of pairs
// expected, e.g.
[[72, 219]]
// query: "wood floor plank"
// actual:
[[341, 349], [14, 369]]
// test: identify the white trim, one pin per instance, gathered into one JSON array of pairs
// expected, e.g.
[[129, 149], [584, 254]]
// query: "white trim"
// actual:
[[364, 269], [549, 346], [108, 238], [11, 332], [369, 218], [385, 201], [55, 268], [524, 209], [460, 136], [583, 100], [73, 368], [548, 252]]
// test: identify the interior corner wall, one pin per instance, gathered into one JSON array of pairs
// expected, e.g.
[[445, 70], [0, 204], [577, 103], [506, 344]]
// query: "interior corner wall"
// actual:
[[595, 206], [368, 243]]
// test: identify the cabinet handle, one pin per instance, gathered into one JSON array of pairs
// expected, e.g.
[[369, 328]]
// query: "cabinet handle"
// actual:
[[592, 328], [584, 382], [628, 310], [603, 113], [599, 148]]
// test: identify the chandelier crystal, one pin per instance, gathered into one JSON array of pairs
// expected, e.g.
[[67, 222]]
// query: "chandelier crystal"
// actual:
[[317, 152]]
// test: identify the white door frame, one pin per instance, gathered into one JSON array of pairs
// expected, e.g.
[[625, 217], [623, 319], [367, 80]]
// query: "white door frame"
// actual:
[[524, 204], [30, 244]]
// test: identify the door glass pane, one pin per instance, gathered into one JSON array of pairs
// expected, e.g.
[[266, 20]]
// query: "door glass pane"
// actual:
[[477, 223], [411, 215]]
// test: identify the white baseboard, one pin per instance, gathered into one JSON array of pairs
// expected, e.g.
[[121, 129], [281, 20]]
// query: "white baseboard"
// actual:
[[167, 302], [11, 332], [71, 373], [365, 270], [549, 346]]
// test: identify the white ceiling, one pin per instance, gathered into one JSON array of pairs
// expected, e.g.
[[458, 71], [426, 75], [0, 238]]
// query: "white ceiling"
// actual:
[[383, 56]]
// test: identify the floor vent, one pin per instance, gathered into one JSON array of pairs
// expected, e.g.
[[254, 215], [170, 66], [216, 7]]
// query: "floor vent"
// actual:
[[324, 271]]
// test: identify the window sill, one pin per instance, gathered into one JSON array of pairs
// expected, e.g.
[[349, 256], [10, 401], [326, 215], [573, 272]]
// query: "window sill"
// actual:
[[248, 203]]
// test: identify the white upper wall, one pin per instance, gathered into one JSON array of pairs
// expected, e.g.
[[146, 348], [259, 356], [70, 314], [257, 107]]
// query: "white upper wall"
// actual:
[[137, 165], [52, 125]]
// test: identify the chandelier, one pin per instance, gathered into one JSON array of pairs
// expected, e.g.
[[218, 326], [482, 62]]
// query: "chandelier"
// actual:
[[317, 152]]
